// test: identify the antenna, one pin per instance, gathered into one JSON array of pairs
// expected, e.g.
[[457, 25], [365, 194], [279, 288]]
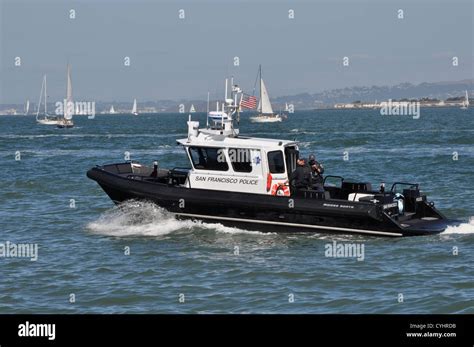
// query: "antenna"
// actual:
[[260, 72], [229, 100], [232, 85], [238, 109], [189, 122], [207, 116], [225, 96]]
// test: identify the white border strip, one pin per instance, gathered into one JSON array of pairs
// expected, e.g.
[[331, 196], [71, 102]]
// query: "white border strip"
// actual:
[[361, 231]]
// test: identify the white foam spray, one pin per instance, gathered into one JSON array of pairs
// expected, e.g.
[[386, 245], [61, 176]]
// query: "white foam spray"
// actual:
[[463, 228], [136, 218]]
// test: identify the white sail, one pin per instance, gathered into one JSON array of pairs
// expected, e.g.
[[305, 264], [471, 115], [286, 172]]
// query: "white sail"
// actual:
[[192, 109], [27, 107], [69, 110], [266, 106], [112, 110], [465, 103], [46, 119], [286, 107], [134, 108], [43, 87]]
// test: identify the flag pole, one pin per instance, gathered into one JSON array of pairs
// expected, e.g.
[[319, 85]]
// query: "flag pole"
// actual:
[[207, 115]]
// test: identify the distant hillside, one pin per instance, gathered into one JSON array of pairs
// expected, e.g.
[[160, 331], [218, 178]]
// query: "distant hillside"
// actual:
[[438, 90]]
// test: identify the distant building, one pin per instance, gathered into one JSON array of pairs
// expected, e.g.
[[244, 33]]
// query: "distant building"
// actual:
[[357, 105], [9, 112], [424, 102]]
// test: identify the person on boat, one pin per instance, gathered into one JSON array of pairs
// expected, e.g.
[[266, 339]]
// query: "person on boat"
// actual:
[[154, 173], [317, 171], [301, 177]]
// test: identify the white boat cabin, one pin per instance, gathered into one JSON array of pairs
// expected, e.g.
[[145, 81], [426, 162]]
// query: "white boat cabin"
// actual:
[[223, 161]]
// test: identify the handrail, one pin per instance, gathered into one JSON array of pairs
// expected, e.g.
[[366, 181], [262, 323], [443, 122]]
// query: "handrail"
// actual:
[[181, 168], [404, 184]]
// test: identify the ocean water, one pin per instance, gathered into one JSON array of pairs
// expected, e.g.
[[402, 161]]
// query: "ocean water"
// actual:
[[81, 250]]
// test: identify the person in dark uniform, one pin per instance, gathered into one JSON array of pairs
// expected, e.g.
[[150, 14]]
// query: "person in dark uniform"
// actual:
[[317, 171], [301, 177]]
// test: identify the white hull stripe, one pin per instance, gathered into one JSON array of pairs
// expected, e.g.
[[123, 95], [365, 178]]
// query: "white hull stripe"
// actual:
[[361, 231]]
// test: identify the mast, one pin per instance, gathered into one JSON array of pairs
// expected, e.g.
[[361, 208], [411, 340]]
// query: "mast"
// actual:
[[69, 105], [41, 95], [207, 114], [260, 98], [45, 97]]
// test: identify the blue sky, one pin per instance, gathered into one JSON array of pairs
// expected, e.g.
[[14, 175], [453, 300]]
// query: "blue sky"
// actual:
[[174, 58]]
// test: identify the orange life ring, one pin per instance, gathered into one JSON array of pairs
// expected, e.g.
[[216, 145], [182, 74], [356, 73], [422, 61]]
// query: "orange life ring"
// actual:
[[280, 189]]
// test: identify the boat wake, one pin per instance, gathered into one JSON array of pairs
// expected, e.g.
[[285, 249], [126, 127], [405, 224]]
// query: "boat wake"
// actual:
[[463, 228], [137, 218], [134, 218]]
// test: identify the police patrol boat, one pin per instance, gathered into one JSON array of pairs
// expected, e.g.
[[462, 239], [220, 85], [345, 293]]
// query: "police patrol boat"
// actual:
[[243, 182]]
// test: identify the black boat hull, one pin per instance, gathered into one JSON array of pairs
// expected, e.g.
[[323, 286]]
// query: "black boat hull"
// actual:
[[259, 212]]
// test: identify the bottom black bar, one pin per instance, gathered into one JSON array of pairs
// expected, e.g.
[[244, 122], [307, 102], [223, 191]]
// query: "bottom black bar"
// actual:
[[59, 330]]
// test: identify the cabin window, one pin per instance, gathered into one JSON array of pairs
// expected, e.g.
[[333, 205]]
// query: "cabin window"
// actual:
[[291, 154], [241, 159], [208, 158], [276, 164]]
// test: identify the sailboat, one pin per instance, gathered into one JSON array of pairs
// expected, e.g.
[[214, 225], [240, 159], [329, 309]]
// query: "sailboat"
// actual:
[[265, 110], [45, 119], [112, 110], [134, 109], [192, 109], [27, 107], [66, 120], [465, 103]]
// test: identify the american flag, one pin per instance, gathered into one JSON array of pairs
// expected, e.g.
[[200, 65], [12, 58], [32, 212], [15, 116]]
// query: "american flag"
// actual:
[[248, 101]]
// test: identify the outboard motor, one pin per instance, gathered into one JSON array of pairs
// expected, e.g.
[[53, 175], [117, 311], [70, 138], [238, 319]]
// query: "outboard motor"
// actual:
[[400, 199]]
